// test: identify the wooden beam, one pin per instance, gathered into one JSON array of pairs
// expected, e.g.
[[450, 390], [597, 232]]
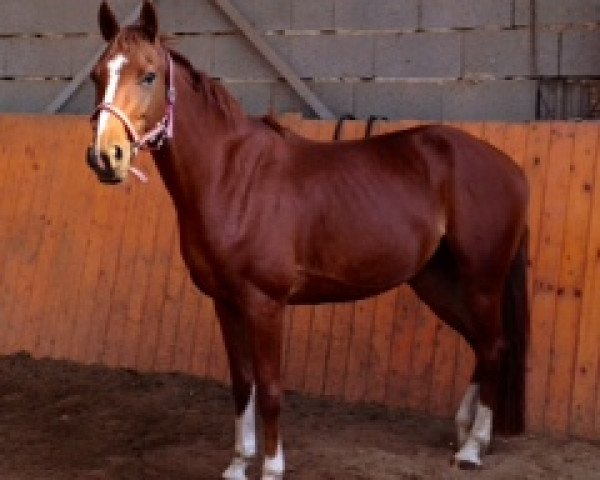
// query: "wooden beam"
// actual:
[[280, 65], [80, 77]]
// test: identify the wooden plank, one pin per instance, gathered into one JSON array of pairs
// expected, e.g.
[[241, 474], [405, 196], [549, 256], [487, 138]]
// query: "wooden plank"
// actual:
[[27, 232], [547, 270], [198, 319], [379, 348], [571, 278], [125, 282], [585, 374], [169, 325], [156, 294], [67, 211], [339, 349], [9, 180], [134, 328], [400, 369]]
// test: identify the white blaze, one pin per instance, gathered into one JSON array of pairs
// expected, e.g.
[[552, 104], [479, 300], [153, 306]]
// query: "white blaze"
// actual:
[[115, 66]]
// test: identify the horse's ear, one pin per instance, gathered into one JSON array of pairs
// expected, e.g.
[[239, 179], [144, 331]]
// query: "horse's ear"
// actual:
[[109, 26], [149, 20]]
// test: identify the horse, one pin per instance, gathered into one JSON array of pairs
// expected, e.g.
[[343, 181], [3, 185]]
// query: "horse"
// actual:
[[268, 218]]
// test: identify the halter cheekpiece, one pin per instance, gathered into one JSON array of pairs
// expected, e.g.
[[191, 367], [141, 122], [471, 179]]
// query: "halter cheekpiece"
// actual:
[[154, 138]]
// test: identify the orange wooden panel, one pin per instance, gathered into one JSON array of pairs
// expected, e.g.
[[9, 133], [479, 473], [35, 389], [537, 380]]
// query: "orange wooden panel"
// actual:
[[295, 368], [379, 355], [169, 325], [156, 294], [571, 276], [197, 320], [125, 282], [357, 363], [400, 367], [547, 269], [585, 378], [339, 344], [29, 228]]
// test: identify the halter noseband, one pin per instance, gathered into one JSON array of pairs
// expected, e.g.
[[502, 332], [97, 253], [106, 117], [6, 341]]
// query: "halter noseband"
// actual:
[[153, 139]]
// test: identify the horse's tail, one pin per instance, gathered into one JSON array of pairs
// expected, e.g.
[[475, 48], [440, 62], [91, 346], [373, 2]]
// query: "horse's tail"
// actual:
[[509, 415]]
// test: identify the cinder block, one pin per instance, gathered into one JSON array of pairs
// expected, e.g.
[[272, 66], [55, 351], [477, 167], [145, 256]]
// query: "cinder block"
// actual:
[[580, 53], [192, 17], [505, 100], [399, 100], [235, 58], [558, 12], [199, 50], [27, 96], [466, 13], [313, 14], [254, 97], [284, 100], [329, 56], [272, 14], [377, 14], [506, 53], [416, 55], [45, 56]]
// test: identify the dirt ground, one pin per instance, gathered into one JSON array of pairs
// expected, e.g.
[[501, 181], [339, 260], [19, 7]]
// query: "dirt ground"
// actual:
[[64, 421]]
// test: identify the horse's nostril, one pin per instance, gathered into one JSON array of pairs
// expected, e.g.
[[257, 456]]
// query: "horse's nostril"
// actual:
[[118, 153]]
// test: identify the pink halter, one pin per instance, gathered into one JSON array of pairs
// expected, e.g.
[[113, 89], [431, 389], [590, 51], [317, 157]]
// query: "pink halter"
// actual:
[[153, 139]]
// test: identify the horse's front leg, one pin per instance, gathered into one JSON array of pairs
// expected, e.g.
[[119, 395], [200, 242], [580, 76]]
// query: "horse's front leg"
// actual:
[[266, 317], [237, 344]]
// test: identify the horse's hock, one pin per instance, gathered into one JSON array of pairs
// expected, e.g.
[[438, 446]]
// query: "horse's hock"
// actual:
[[94, 274]]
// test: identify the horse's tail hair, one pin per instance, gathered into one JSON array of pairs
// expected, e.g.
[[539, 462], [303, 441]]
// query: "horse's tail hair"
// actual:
[[509, 415]]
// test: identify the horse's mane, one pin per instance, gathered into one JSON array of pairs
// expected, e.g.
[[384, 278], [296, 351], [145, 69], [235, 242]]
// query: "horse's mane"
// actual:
[[213, 91]]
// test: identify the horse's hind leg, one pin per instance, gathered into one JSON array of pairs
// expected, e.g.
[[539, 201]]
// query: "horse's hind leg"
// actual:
[[489, 349], [241, 370], [439, 285]]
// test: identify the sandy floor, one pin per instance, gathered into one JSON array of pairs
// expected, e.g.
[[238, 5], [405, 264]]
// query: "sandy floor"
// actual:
[[63, 421]]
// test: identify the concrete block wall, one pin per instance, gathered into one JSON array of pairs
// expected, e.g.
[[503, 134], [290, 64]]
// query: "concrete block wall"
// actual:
[[415, 59]]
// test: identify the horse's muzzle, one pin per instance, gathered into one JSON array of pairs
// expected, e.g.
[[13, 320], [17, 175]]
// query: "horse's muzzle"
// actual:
[[100, 165]]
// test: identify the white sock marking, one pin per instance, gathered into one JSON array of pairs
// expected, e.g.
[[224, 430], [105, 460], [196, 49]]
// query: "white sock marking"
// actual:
[[479, 437], [466, 413], [115, 66], [245, 440], [273, 467], [245, 428]]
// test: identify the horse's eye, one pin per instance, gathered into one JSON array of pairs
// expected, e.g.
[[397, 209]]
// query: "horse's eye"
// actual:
[[149, 78]]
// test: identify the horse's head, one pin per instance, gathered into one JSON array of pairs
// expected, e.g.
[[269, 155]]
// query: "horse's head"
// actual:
[[133, 94]]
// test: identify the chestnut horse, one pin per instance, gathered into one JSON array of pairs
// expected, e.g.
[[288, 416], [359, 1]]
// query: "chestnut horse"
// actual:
[[267, 218]]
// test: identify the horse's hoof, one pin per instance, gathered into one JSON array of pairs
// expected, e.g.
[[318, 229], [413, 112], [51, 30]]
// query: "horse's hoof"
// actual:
[[236, 470], [468, 465], [272, 476], [467, 459]]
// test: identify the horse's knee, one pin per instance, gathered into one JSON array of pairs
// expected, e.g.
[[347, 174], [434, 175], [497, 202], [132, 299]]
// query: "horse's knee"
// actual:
[[269, 399]]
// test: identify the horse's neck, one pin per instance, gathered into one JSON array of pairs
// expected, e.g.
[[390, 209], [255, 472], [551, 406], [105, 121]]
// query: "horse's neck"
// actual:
[[190, 159]]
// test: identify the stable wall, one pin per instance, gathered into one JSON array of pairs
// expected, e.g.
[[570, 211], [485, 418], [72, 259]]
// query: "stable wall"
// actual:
[[93, 274], [417, 59]]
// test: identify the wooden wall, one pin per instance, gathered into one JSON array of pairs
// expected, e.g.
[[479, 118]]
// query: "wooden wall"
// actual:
[[93, 274]]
